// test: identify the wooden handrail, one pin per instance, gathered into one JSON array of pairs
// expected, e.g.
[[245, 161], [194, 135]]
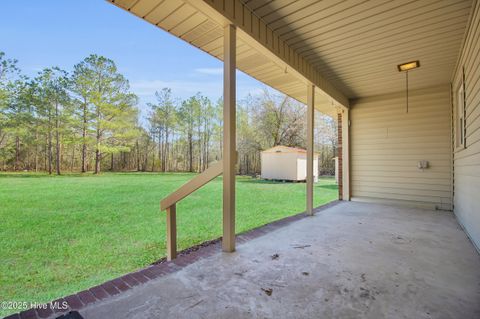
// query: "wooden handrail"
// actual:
[[192, 185], [169, 203]]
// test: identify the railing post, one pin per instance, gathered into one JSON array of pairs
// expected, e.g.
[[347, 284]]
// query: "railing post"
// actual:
[[310, 125], [172, 232], [229, 136]]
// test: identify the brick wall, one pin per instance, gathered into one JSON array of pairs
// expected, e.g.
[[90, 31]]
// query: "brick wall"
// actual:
[[339, 154]]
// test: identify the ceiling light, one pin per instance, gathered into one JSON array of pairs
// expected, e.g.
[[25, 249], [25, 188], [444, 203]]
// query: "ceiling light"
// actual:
[[408, 66]]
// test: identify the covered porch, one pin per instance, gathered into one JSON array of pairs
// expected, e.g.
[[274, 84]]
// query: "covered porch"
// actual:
[[409, 150], [401, 243], [349, 260], [401, 79]]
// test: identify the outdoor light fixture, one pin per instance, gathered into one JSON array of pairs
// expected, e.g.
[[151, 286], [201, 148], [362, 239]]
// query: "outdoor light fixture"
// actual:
[[405, 67], [408, 66]]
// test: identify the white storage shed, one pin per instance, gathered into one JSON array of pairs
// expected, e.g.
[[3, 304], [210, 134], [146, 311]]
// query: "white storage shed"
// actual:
[[287, 163]]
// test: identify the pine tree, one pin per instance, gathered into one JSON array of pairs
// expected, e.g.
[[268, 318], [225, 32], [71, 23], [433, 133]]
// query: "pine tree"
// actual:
[[113, 107], [51, 86]]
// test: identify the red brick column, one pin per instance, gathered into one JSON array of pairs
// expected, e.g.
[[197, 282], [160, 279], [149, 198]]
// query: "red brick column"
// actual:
[[339, 155]]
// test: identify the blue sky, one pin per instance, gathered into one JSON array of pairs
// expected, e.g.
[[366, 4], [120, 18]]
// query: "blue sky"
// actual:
[[63, 32]]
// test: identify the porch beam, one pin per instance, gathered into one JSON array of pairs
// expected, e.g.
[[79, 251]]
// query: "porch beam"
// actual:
[[255, 32], [229, 137], [310, 126]]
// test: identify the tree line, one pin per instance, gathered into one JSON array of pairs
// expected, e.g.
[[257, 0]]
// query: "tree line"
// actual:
[[88, 119]]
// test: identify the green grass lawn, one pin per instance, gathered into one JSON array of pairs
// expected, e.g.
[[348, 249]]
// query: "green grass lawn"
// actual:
[[59, 235]]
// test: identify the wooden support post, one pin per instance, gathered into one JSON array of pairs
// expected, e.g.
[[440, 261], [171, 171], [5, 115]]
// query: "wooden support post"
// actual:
[[229, 137], [172, 232], [310, 125], [346, 154]]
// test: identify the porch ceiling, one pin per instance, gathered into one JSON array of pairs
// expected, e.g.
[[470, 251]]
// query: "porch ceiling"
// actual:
[[357, 44], [349, 48]]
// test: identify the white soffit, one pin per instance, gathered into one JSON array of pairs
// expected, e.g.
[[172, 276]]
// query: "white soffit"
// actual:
[[357, 45]]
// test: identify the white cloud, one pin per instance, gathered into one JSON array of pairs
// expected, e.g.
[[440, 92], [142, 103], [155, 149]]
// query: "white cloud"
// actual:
[[244, 92], [37, 69], [179, 88], [185, 88], [210, 71]]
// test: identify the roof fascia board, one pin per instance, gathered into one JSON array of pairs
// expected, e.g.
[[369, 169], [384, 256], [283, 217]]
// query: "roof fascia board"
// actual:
[[256, 33]]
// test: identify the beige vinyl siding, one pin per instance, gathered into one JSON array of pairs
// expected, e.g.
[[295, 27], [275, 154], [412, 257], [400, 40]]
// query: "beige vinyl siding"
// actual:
[[467, 161], [387, 143]]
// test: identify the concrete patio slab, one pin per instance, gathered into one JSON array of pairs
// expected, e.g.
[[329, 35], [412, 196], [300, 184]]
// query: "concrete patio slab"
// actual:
[[352, 260]]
